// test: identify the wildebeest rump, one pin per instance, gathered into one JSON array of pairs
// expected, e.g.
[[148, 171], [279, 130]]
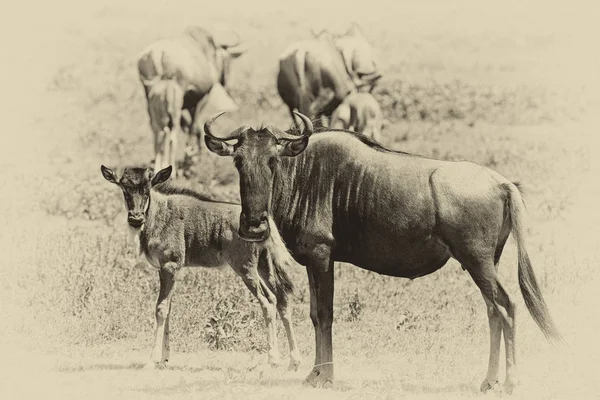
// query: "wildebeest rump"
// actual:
[[339, 196], [200, 62], [316, 75], [176, 227], [165, 102]]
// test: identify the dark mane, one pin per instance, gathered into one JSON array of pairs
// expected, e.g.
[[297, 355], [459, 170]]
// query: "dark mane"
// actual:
[[372, 143], [168, 189]]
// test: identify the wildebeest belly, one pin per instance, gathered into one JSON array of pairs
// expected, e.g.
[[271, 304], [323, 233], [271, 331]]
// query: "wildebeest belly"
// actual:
[[399, 258], [204, 257]]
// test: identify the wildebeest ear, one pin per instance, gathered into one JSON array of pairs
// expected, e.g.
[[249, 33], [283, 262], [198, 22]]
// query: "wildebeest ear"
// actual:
[[291, 148], [162, 175], [108, 174], [218, 146]]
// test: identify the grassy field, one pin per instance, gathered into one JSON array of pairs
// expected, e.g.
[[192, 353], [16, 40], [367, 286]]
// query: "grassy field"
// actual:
[[512, 87]]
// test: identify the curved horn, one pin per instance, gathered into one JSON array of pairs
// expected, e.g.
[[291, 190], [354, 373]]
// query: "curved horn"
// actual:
[[308, 126], [209, 122], [234, 135]]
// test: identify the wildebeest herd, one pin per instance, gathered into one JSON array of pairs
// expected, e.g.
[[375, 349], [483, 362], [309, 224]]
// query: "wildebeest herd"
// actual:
[[323, 191]]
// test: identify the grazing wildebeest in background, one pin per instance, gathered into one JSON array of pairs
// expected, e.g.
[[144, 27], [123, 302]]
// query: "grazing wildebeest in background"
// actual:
[[165, 101], [200, 63], [316, 75], [339, 196], [358, 56], [359, 112], [176, 227]]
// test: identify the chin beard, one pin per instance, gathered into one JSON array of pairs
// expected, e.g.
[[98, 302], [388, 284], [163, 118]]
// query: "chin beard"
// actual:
[[134, 238]]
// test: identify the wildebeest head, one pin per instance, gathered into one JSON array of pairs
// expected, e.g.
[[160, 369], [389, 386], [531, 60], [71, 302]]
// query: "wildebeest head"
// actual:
[[225, 43], [225, 52], [136, 184], [256, 154], [358, 57]]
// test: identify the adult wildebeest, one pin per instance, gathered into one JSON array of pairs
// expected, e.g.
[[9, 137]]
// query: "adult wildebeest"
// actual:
[[316, 75], [339, 196], [176, 227], [199, 62], [359, 112]]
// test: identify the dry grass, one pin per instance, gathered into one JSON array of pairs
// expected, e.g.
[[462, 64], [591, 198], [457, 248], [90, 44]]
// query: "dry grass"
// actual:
[[511, 90]]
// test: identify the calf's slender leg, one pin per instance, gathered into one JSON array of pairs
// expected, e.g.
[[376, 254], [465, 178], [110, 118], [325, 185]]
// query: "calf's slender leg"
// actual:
[[160, 352], [286, 317], [267, 301]]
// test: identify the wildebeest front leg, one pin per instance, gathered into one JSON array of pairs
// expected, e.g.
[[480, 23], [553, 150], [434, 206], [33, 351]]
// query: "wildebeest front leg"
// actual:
[[322, 373], [161, 350], [315, 320]]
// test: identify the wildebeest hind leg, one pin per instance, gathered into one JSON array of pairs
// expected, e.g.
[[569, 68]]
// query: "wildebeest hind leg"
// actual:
[[173, 150], [502, 318], [495, 323], [286, 318]]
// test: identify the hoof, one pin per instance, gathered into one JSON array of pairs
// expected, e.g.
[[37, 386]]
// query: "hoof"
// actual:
[[275, 361], [510, 386], [155, 365], [313, 375], [319, 379], [294, 365], [488, 385]]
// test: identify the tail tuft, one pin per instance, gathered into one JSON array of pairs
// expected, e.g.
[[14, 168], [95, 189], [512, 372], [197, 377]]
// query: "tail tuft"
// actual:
[[530, 288]]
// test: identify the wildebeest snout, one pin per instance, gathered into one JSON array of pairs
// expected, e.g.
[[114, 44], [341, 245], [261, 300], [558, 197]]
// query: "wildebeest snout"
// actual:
[[135, 219], [254, 228]]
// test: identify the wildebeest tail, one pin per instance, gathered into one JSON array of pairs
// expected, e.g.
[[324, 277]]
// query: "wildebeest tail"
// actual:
[[299, 68], [275, 259], [530, 288]]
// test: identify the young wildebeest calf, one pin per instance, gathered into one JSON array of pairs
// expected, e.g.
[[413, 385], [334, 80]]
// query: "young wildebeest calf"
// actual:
[[177, 227], [360, 113], [165, 100]]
